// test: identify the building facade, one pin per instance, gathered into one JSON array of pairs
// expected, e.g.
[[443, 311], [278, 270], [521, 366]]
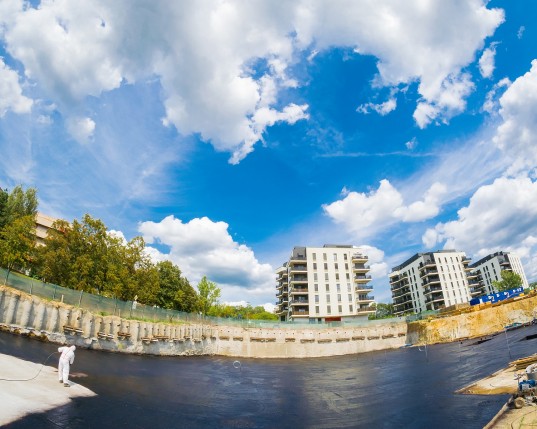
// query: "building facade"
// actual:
[[488, 269], [430, 281], [324, 284]]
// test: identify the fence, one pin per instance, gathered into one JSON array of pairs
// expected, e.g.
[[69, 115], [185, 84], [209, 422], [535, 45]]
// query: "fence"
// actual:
[[99, 304]]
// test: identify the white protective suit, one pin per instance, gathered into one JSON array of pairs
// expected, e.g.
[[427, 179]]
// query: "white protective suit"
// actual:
[[66, 360]]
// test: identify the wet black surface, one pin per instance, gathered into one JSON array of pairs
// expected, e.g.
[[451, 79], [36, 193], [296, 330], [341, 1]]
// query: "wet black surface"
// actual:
[[404, 388]]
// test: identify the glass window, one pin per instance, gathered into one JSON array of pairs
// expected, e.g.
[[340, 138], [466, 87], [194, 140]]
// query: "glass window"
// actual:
[[314, 256], [327, 287], [324, 256], [340, 309], [317, 309], [335, 256], [316, 299], [314, 265], [350, 297], [338, 297], [328, 310], [350, 308], [316, 287], [327, 298], [325, 266], [338, 287], [326, 276], [345, 256]]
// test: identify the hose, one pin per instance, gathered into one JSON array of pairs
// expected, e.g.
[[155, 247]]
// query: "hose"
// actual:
[[35, 376]]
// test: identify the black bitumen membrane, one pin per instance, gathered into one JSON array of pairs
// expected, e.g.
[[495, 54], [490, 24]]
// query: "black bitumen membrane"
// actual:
[[403, 388]]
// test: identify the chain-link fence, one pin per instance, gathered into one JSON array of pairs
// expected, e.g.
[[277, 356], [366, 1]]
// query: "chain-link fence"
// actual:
[[102, 305]]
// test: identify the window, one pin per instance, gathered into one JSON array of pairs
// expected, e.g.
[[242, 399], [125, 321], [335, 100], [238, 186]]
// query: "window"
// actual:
[[327, 298], [348, 276], [335, 256], [326, 276], [350, 308], [336, 266], [317, 309], [338, 297], [316, 287], [325, 266], [348, 287], [316, 299], [324, 256], [340, 309], [337, 276], [346, 266], [314, 276], [315, 265], [345, 256], [350, 297], [327, 287], [328, 310], [314, 256], [338, 287]]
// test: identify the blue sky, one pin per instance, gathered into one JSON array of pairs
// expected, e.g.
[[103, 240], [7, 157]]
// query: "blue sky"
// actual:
[[227, 132]]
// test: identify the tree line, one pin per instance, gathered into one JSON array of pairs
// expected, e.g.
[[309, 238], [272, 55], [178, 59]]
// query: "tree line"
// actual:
[[84, 255]]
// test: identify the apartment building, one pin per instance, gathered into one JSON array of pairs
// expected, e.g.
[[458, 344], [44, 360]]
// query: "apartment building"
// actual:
[[430, 281], [43, 224], [488, 269], [324, 284]]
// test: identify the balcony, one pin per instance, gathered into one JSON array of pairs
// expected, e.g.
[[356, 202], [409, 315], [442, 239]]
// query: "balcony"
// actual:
[[361, 268], [431, 281], [299, 279], [358, 257], [295, 302], [466, 261], [362, 279], [302, 268], [300, 313], [428, 272], [364, 299], [365, 310], [426, 264], [299, 291], [363, 288]]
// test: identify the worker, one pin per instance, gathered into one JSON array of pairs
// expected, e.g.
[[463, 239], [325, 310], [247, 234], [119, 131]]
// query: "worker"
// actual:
[[67, 358]]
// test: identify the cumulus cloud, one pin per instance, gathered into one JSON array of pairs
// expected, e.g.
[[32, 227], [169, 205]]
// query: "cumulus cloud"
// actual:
[[497, 215], [486, 62], [11, 97], [362, 214], [382, 108], [223, 66], [81, 129], [202, 247], [517, 132]]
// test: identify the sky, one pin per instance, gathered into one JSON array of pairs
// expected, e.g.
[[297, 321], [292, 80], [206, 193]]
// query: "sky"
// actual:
[[226, 132]]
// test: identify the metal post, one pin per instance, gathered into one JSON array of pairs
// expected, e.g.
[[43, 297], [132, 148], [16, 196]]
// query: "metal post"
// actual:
[[507, 341], [54, 294], [80, 298], [31, 285]]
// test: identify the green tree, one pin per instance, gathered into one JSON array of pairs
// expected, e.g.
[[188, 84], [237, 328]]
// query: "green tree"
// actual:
[[510, 280], [17, 243], [19, 203], [208, 295], [175, 292], [382, 311]]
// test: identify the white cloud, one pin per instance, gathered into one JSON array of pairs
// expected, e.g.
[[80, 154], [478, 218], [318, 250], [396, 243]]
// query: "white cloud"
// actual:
[[499, 216], [363, 214], [517, 133], [202, 247], [486, 62], [81, 129], [491, 104], [444, 101], [382, 109], [412, 143], [11, 97], [202, 53], [520, 32]]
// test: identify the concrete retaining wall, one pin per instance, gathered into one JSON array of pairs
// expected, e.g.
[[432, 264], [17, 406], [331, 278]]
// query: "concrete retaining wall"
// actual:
[[56, 322]]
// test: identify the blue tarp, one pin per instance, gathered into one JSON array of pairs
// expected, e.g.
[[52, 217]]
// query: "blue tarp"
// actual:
[[498, 296]]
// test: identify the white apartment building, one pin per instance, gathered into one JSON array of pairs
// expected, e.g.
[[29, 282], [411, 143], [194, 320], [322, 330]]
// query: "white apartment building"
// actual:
[[430, 281], [488, 269], [324, 284]]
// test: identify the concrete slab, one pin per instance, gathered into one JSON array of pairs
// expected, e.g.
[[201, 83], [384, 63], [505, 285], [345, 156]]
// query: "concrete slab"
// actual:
[[26, 387]]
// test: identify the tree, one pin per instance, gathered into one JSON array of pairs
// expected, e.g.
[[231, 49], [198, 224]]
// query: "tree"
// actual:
[[18, 204], [209, 293], [175, 292], [382, 311], [17, 243], [510, 280]]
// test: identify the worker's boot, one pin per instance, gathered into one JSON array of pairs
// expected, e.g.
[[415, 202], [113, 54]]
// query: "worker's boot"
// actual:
[[66, 385]]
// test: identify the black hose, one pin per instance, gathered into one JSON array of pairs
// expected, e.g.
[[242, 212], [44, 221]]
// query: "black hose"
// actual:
[[35, 376]]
